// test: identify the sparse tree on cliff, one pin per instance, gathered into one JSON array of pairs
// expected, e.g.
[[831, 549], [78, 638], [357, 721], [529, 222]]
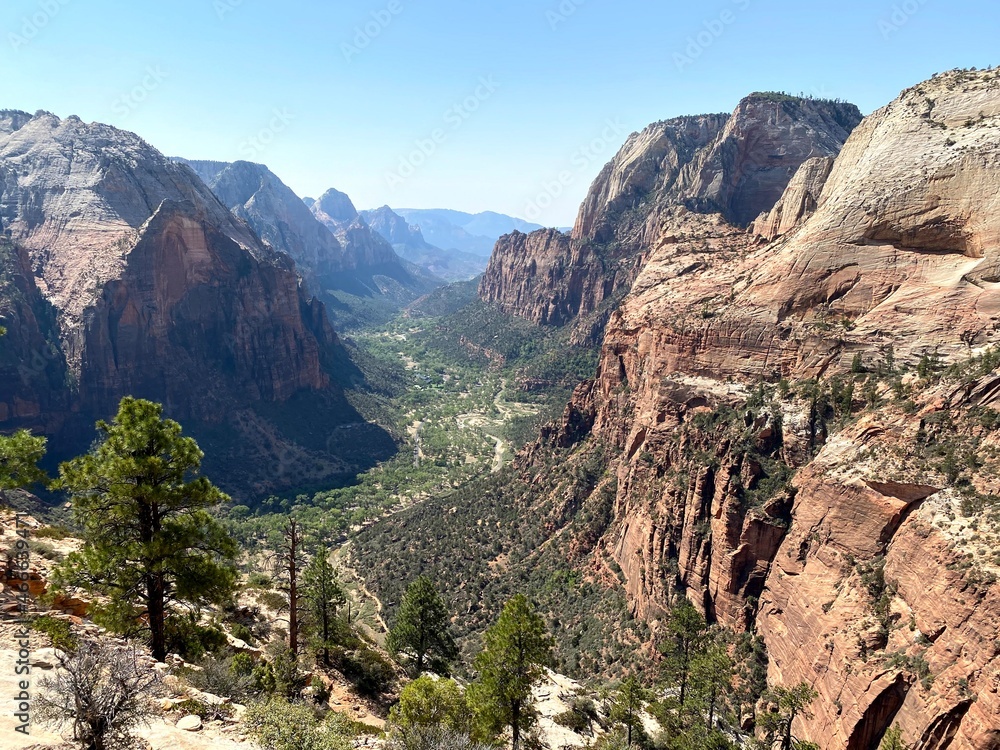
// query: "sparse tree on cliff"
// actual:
[[787, 704], [290, 562], [422, 627], [518, 648], [893, 739], [149, 540]]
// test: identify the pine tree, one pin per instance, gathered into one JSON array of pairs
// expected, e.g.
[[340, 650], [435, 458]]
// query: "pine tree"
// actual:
[[893, 739], [324, 597], [787, 704], [685, 629], [149, 540], [19, 457], [712, 672], [626, 708], [518, 648], [421, 627]]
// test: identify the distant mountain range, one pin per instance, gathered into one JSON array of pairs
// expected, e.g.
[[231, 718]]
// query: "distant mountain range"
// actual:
[[456, 230]]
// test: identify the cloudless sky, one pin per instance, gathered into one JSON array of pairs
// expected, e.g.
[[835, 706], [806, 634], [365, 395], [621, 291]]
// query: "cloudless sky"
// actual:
[[517, 104]]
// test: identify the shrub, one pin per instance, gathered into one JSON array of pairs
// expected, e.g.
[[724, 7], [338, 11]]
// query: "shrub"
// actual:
[[59, 632], [277, 724], [371, 673], [189, 639], [220, 676], [101, 693]]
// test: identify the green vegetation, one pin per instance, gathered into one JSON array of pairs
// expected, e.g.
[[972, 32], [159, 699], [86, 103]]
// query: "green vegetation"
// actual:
[[893, 739], [280, 725], [421, 628], [517, 648], [785, 705], [20, 454], [324, 597], [428, 712], [149, 539], [627, 706]]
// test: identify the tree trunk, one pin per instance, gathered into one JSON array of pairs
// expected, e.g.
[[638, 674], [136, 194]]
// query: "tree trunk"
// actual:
[[293, 588], [156, 612], [515, 725], [326, 634]]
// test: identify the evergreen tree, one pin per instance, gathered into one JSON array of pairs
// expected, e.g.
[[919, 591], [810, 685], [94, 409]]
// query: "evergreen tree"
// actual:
[[893, 739], [421, 627], [19, 457], [626, 707], [149, 539], [712, 672], [787, 704], [324, 597], [685, 632], [518, 648]]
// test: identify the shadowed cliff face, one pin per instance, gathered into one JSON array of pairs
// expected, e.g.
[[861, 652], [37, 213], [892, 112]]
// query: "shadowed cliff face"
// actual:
[[736, 166], [767, 516], [126, 276]]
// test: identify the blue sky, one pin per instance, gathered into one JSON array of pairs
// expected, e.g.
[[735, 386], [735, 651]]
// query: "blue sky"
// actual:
[[511, 106]]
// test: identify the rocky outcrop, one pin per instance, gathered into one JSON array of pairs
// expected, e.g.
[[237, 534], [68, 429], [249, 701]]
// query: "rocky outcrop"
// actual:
[[371, 266], [394, 228], [843, 546], [256, 195], [545, 277], [798, 202], [127, 276], [734, 165]]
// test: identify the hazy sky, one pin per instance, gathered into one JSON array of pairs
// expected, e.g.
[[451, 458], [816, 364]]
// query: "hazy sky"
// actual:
[[512, 106]]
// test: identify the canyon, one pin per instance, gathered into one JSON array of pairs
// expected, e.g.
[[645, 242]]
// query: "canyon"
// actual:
[[132, 278], [795, 397]]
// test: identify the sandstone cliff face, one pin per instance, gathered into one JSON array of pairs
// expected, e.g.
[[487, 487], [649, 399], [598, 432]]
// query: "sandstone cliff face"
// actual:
[[736, 166], [798, 202], [362, 246], [894, 256], [132, 278], [545, 277], [256, 195]]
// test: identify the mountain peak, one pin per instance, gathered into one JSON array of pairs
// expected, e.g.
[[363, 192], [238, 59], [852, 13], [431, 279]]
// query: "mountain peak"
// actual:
[[336, 206]]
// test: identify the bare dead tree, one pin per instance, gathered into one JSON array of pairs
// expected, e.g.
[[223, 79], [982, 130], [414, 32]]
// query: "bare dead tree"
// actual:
[[101, 692], [290, 562]]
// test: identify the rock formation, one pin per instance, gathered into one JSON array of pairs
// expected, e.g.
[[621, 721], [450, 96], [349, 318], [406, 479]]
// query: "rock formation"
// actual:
[[409, 243], [276, 214], [847, 542], [737, 166], [126, 275]]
